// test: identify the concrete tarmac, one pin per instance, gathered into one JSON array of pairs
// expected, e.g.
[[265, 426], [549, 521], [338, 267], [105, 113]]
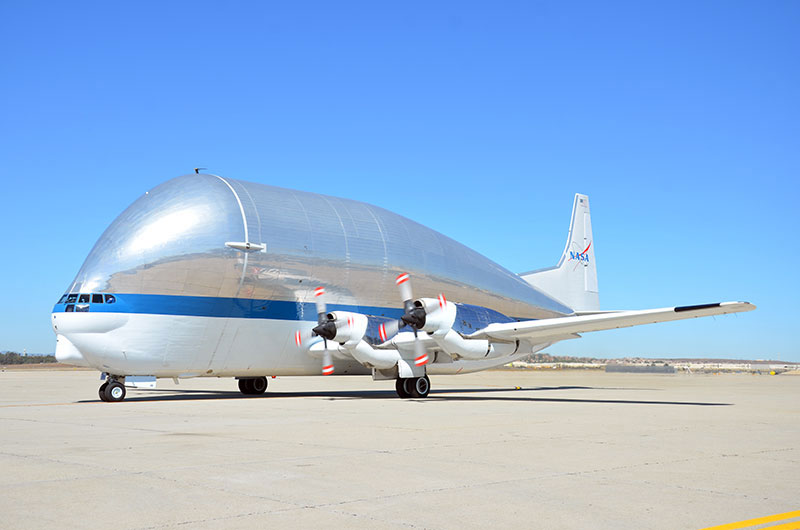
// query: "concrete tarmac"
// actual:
[[569, 449]]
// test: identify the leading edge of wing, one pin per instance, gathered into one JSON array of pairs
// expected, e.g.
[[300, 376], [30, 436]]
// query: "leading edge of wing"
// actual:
[[550, 328]]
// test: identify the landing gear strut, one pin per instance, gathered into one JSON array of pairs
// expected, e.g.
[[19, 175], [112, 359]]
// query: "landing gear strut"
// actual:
[[413, 387], [113, 390], [251, 386]]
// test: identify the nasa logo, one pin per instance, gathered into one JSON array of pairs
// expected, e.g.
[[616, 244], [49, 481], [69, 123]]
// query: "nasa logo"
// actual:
[[580, 256]]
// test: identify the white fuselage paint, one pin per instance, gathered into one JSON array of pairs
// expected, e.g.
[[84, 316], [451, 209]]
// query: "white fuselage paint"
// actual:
[[195, 346]]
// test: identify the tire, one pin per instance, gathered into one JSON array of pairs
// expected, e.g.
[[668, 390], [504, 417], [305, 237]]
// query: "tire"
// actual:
[[399, 386], [420, 386], [102, 391], [258, 385], [246, 386], [115, 392]]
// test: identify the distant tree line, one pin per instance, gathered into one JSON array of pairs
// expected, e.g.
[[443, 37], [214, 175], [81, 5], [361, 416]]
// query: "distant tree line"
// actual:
[[547, 358], [11, 357]]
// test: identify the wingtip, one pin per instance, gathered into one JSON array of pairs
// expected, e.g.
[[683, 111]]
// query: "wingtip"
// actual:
[[744, 306]]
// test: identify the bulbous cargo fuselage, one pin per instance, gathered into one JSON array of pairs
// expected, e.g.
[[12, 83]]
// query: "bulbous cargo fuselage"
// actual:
[[168, 291]]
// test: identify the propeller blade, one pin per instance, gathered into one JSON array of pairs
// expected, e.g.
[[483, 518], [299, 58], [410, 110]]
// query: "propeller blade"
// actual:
[[404, 284], [327, 363], [413, 316], [420, 355], [389, 329], [302, 338], [319, 298]]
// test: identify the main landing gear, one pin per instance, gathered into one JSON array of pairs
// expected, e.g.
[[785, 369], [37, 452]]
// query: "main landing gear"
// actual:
[[413, 387], [113, 390], [253, 386]]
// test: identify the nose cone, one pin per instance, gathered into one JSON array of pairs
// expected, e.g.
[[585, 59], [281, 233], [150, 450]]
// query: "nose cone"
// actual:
[[170, 241], [67, 353]]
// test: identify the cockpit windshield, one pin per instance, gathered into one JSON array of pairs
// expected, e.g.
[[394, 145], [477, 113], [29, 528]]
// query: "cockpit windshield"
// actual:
[[86, 298]]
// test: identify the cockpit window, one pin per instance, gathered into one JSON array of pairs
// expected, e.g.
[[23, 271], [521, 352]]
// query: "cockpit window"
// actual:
[[70, 308], [110, 299], [63, 299], [82, 308], [83, 299], [71, 298], [97, 298]]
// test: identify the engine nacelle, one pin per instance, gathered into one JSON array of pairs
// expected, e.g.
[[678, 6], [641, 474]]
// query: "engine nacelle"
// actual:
[[440, 315], [350, 327], [475, 349], [350, 331]]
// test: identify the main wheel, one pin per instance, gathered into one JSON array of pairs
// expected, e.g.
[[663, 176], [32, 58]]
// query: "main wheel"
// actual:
[[400, 386], [420, 386], [246, 386], [115, 391], [258, 385], [102, 391]]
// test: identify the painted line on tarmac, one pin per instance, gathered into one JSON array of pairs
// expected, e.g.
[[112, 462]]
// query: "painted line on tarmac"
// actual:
[[788, 526], [761, 520]]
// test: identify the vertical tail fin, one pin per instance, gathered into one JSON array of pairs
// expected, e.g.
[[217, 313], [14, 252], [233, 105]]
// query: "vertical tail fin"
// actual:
[[574, 280]]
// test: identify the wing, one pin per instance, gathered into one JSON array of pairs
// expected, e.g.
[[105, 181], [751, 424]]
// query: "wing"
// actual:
[[549, 329]]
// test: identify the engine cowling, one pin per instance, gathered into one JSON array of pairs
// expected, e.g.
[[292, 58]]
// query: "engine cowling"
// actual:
[[350, 331], [350, 327], [440, 315]]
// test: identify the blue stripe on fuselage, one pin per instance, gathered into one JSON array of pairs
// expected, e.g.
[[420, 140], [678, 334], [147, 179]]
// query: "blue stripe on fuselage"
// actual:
[[210, 306], [469, 318]]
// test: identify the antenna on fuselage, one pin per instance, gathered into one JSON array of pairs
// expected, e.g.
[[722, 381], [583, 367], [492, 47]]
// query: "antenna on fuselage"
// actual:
[[197, 169]]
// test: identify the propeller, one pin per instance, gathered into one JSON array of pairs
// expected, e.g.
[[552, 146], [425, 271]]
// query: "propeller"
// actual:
[[413, 316], [325, 328]]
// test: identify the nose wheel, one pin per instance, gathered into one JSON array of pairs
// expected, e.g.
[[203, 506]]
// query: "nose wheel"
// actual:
[[413, 387], [112, 391]]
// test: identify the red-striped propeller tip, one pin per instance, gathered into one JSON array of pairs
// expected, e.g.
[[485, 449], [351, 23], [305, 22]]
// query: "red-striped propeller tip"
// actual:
[[382, 332], [402, 278], [327, 370], [421, 360], [298, 338], [442, 301], [319, 291]]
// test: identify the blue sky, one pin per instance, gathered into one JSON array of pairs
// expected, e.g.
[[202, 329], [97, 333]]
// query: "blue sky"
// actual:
[[680, 120]]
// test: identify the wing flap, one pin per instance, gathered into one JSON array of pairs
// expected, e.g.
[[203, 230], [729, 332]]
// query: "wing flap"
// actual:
[[550, 328]]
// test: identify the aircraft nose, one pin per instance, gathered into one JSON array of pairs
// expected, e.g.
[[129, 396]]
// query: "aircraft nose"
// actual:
[[67, 353], [65, 323]]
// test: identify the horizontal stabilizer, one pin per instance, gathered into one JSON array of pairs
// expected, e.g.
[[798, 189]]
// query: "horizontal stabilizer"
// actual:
[[548, 329]]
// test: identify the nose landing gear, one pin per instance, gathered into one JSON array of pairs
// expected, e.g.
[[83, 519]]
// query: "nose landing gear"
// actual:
[[113, 390], [413, 387]]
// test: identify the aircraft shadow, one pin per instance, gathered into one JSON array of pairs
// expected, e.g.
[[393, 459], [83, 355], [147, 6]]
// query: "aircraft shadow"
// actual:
[[448, 394]]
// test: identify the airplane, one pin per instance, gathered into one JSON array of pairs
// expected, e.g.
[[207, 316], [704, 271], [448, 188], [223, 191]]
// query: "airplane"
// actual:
[[205, 276]]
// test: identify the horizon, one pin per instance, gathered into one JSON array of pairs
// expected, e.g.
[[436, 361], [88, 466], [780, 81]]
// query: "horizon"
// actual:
[[586, 356]]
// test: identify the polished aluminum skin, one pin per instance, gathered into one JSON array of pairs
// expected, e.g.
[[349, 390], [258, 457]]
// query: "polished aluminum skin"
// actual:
[[172, 241]]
